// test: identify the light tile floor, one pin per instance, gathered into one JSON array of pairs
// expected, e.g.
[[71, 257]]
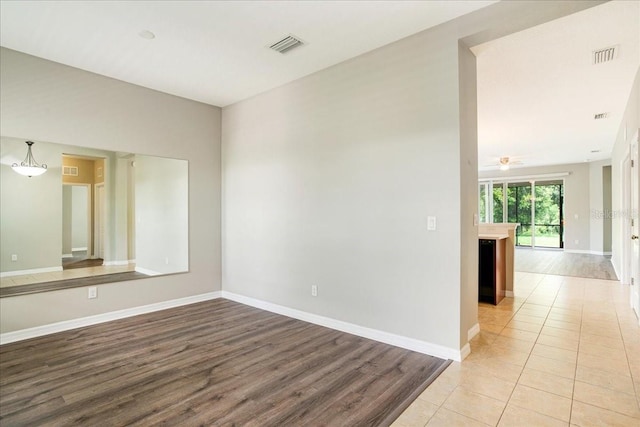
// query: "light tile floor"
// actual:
[[565, 351], [74, 273]]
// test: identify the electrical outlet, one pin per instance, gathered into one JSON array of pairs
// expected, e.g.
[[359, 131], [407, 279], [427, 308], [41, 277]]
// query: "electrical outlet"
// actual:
[[14, 257], [166, 260], [93, 292], [314, 291], [576, 242]]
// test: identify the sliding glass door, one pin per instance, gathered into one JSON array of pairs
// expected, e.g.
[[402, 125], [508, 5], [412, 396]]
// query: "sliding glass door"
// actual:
[[536, 205], [548, 214], [519, 210]]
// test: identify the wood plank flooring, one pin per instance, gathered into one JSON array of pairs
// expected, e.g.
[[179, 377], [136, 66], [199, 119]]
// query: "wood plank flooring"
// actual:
[[562, 263], [211, 363]]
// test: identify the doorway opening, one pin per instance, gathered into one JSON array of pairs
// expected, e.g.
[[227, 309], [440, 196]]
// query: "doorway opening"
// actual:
[[80, 176]]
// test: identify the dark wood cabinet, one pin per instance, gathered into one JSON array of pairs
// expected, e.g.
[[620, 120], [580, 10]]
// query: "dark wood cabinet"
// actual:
[[491, 270]]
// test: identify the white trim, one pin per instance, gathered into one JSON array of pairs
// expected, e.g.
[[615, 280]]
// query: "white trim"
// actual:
[[473, 331], [67, 255], [618, 274], [464, 352], [508, 294], [525, 177], [582, 251], [125, 262], [30, 271], [23, 334], [147, 271], [78, 249], [361, 331]]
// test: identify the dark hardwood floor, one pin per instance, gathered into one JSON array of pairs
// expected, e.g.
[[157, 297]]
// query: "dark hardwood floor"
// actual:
[[212, 363]]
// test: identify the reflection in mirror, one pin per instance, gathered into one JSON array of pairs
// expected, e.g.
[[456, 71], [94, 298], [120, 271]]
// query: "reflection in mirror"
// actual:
[[94, 217]]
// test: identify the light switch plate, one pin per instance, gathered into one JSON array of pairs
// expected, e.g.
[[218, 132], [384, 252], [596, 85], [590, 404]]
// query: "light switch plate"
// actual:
[[431, 223]]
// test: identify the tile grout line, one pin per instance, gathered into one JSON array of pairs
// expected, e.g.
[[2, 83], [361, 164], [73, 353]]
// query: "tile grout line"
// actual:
[[575, 372], [530, 351]]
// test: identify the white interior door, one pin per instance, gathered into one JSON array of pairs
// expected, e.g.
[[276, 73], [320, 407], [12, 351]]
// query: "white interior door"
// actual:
[[635, 226]]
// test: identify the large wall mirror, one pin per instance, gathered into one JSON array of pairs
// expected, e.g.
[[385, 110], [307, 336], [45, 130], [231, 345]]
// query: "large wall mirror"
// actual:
[[94, 217]]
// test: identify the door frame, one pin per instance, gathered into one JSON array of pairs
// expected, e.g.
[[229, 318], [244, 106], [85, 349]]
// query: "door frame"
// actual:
[[634, 224], [99, 225], [89, 188]]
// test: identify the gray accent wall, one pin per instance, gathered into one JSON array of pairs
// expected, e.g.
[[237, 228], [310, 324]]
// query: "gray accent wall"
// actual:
[[46, 101]]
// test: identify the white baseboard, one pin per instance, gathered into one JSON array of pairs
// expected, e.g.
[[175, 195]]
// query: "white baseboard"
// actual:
[[473, 331], [67, 255], [78, 249], [466, 350], [147, 271], [120, 262], [361, 331], [31, 271], [381, 336], [508, 294], [588, 252], [23, 334]]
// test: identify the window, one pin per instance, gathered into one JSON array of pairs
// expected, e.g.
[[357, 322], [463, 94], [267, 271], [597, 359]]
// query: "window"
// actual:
[[536, 205]]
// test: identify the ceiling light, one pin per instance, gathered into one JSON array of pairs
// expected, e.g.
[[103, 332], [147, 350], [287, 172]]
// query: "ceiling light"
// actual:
[[146, 34], [29, 167], [504, 163]]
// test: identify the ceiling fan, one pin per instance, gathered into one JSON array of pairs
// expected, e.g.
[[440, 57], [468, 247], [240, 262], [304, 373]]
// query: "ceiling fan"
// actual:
[[504, 163]]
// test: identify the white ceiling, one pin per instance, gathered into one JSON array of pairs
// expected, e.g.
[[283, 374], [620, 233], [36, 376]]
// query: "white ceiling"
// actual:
[[213, 51], [537, 89]]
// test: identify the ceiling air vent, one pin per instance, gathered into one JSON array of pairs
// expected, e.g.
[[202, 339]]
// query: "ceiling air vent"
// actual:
[[286, 44], [605, 55], [600, 116]]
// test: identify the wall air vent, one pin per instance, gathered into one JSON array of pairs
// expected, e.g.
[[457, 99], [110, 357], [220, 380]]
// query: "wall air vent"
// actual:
[[286, 44], [605, 55], [70, 170], [600, 116]]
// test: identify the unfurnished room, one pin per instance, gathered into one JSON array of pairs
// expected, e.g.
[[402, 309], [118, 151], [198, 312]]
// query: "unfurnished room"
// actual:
[[320, 213]]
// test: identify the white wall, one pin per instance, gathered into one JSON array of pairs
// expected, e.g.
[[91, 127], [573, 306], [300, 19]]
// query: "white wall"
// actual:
[[45, 101], [329, 181], [607, 187], [161, 201], [66, 220], [468, 192], [597, 206], [629, 124], [79, 217]]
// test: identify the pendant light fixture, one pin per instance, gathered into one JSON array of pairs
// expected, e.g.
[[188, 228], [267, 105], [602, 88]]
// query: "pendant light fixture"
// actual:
[[29, 167]]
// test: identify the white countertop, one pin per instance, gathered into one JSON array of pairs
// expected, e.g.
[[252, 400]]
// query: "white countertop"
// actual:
[[493, 236]]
